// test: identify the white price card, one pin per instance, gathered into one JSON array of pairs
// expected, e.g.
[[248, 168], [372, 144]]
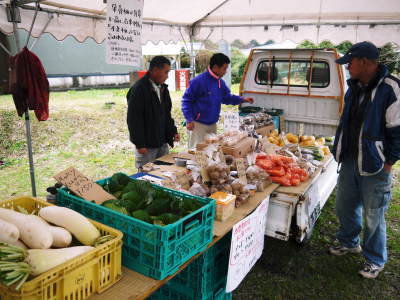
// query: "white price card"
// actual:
[[247, 245], [231, 121]]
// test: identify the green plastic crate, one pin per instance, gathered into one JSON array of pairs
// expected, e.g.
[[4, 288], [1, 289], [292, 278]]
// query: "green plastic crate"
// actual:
[[152, 250], [205, 278]]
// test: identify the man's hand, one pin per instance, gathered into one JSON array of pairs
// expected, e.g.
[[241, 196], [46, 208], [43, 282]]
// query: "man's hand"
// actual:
[[388, 167], [177, 138], [249, 100], [143, 151], [190, 126]]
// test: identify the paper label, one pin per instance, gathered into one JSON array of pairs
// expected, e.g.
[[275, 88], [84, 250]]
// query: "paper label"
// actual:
[[231, 121], [241, 169], [124, 28], [247, 245], [183, 179], [301, 129], [82, 185]]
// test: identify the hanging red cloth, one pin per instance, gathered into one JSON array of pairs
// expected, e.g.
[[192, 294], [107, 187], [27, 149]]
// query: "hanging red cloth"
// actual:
[[29, 85]]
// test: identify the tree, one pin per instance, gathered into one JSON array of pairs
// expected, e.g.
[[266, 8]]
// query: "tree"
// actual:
[[326, 44], [390, 56], [203, 60], [253, 43], [306, 45], [237, 59], [238, 44], [343, 47], [269, 42], [185, 60], [210, 45]]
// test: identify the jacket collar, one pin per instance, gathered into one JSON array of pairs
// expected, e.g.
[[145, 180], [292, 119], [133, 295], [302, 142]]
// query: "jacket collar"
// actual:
[[381, 73], [147, 76]]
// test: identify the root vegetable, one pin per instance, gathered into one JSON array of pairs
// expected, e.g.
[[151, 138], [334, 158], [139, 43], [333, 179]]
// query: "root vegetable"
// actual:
[[41, 261], [33, 233], [73, 221], [9, 233]]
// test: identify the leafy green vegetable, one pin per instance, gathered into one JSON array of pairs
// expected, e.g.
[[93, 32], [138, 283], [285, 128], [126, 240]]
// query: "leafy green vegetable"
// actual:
[[142, 215]]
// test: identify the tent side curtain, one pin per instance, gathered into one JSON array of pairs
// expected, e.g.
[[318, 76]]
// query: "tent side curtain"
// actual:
[[314, 20]]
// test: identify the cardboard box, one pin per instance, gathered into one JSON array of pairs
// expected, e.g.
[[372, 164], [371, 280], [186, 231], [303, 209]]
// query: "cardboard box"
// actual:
[[241, 149], [266, 130]]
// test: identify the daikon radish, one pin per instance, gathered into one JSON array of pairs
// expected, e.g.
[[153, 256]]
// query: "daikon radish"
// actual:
[[33, 233], [73, 221], [20, 244], [9, 233], [61, 237], [42, 260]]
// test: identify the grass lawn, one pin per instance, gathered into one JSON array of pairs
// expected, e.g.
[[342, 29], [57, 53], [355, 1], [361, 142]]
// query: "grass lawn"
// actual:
[[86, 131]]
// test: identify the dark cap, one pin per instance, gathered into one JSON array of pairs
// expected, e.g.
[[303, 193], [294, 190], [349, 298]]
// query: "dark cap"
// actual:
[[363, 49]]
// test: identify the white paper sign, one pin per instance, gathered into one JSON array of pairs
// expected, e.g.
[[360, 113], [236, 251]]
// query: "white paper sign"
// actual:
[[231, 121], [124, 29], [247, 245]]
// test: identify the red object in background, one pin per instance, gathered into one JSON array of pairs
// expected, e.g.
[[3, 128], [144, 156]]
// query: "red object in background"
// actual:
[[29, 85], [182, 79], [141, 73]]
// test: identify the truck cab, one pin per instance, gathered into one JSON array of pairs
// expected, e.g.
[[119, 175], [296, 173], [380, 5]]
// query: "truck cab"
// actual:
[[309, 87]]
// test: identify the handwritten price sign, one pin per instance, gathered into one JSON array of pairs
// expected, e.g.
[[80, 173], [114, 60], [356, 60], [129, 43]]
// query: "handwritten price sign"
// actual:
[[231, 121], [82, 186], [247, 245]]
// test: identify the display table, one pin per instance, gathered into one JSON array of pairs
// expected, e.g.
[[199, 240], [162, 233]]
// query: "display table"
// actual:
[[134, 285]]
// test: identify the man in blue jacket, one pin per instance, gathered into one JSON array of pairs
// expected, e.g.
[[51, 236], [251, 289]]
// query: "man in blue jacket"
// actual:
[[201, 103], [367, 144]]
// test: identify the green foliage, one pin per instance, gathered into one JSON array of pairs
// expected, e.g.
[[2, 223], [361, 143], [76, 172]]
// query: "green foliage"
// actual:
[[306, 44], [115, 205], [390, 57], [238, 44], [10, 141], [237, 60], [343, 47], [142, 215], [203, 60], [326, 44], [253, 43], [210, 45], [185, 60]]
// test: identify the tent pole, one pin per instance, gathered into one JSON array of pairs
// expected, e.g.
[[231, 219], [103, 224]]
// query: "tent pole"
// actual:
[[5, 49], [192, 56], [27, 125], [33, 22], [30, 152], [39, 36]]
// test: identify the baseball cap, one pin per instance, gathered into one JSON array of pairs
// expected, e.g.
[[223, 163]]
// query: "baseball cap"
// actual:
[[363, 49]]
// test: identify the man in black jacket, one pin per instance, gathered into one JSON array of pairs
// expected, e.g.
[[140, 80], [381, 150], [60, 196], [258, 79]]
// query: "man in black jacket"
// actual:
[[151, 127]]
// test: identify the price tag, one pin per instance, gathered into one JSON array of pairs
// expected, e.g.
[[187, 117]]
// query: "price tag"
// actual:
[[241, 169], [301, 129], [231, 121], [201, 158], [82, 186], [182, 179], [222, 156]]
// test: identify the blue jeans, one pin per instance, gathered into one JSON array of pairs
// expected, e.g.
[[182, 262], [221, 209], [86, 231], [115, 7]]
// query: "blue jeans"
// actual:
[[152, 154], [363, 197]]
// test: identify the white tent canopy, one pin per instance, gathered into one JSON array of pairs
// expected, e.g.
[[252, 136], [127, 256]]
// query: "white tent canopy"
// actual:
[[261, 20]]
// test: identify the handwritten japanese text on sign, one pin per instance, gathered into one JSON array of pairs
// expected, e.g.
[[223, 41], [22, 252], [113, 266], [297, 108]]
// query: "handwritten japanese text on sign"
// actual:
[[82, 186], [231, 121], [124, 28], [247, 245]]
